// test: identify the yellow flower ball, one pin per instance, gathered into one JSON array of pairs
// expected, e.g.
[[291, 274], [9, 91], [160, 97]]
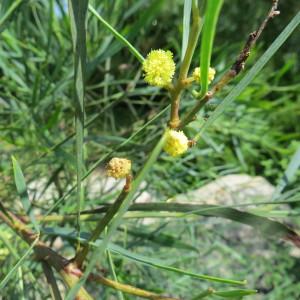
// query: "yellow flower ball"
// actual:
[[118, 167], [211, 74], [159, 68], [176, 143]]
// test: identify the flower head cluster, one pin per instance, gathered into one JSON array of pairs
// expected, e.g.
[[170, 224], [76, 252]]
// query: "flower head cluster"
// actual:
[[159, 68], [176, 143], [211, 74], [118, 167]]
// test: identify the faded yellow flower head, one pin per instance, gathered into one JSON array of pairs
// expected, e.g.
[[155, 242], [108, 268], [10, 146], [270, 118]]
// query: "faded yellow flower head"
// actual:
[[159, 68], [211, 74], [176, 143], [118, 167]]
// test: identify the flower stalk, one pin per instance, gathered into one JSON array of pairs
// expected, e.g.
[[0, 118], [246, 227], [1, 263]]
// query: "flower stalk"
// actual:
[[236, 68], [113, 209], [181, 83]]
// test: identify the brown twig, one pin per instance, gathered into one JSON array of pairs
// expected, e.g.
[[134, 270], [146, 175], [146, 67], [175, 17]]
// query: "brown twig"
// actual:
[[253, 37], [236, 68], [44, 253], [68, 270]]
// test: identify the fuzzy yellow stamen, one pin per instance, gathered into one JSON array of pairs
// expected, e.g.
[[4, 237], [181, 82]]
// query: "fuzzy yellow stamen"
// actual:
[[211, 74], [118, 167], [176, 143], [159, 68]]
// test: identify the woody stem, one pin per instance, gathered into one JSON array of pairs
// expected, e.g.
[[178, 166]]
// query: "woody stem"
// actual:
[[176, 91]]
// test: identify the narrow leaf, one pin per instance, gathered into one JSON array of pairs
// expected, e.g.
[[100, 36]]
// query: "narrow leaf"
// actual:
[[235, 293], [22, 191], [160, 265], [119, 217], [152, 262], [105, 156], [78, 10], [288, 175], [9, 13], [266, 226], [162, 239], [117, 35], [186, 26], [17, 265], [212, 11]]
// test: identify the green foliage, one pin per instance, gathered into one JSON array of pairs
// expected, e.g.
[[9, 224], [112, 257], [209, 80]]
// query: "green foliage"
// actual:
[[22, 191], [212, 12], [257, 133]]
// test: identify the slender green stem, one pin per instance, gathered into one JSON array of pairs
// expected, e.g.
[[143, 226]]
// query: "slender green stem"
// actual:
[[9, 12], [129, 289], [43, 253], [21, 260], [70, 136], [113, 272], [117, 35], [93, 217], [191, 115], [111, 212], [204, 294], [119, 216], [78, 10], [237, 66], [105, 156], [265, 225]]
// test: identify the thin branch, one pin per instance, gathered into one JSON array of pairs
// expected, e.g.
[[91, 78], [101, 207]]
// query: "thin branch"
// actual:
[[55, 294], [129, 289], [44, 253], [69, 271], [236, 68], [111, 212], [268, 226], [176, 91], [253, 37]]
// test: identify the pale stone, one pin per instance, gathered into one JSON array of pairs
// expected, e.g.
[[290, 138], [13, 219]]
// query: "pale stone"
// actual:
[[230, 189]]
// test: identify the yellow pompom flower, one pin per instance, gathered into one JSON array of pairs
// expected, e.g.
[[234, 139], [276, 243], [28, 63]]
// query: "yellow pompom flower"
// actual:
[[176, 143], [159, 68], [211, 74], [118, 167]]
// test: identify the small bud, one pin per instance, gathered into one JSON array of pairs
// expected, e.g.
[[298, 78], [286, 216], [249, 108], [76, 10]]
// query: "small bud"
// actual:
[[118, 167], [211, 74], [192, 143], [159, 68], [176, 143]]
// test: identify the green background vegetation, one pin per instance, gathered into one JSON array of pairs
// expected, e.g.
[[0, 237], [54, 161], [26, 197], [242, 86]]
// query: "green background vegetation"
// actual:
[[258, 135]]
